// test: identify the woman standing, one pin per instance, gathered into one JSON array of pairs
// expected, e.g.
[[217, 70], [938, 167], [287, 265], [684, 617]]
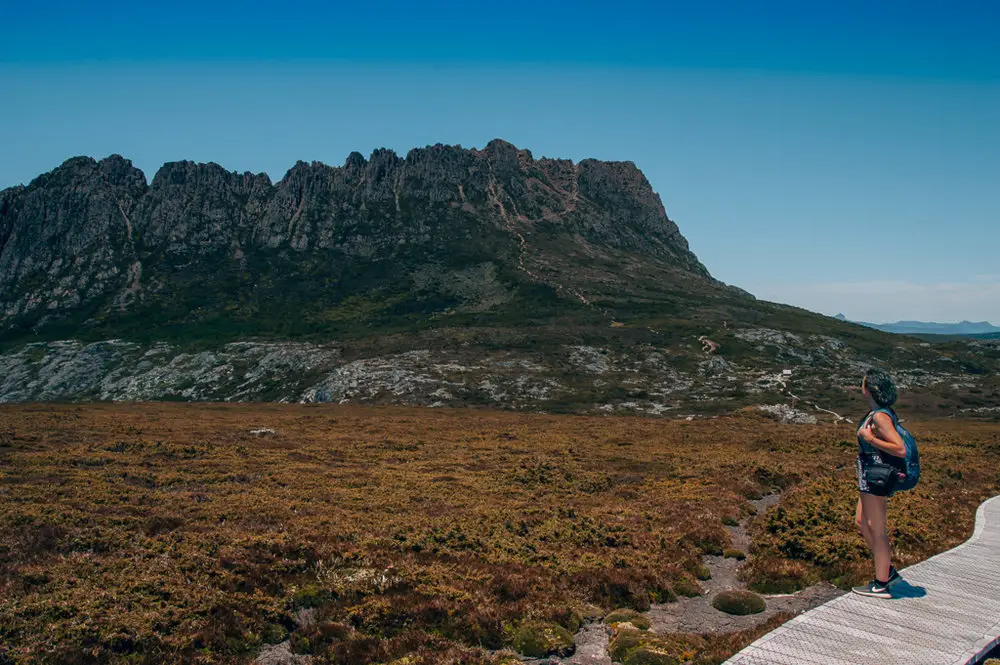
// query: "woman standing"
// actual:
[[878, 443]]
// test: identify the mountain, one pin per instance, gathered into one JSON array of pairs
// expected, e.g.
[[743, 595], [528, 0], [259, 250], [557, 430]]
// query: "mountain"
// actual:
[[449, 276], [92, 245], [924, 328]]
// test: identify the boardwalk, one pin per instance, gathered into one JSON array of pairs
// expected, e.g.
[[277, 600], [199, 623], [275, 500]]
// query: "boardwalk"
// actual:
[[947, 613]]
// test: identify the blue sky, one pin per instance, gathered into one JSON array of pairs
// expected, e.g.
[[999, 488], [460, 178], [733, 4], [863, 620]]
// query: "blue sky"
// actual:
[[838, 156]]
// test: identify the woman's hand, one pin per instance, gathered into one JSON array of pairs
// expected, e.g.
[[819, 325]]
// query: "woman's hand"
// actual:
[[866, 432], [881, 433]]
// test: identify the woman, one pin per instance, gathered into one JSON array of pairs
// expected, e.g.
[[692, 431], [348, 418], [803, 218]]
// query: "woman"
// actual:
[[878, 443]]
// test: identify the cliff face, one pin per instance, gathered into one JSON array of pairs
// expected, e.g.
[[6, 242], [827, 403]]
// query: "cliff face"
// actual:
[[91, 241], [66, 238]]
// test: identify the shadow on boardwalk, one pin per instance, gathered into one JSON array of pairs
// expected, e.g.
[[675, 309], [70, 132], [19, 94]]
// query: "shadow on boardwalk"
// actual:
[[903, 589]]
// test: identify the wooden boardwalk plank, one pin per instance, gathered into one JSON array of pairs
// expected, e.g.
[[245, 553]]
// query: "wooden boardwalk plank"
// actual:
[[855, 641], [947, 613], [899, 622]]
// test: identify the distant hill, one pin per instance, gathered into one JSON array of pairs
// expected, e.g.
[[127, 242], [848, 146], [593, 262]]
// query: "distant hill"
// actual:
[[937, 337], [965, 328]]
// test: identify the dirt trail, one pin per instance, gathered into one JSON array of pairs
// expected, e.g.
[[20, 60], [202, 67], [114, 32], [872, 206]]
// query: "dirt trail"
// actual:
[[697, 614], [494, 191]]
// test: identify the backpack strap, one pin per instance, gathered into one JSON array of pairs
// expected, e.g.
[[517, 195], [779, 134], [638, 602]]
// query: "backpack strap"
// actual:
[[892, 414], [866, 447]]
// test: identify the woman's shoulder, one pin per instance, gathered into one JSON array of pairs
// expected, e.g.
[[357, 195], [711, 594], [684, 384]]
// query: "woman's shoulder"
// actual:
[[884, 417], [884, 425]]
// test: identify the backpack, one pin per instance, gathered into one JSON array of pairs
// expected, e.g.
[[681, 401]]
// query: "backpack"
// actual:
[[908, 481]]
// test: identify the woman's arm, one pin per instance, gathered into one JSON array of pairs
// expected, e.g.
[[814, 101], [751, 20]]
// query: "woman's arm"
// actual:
[[882, 434]]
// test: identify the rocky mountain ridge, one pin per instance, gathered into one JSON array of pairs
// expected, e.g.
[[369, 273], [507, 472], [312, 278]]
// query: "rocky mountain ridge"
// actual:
[[93, 235], [450, 277]]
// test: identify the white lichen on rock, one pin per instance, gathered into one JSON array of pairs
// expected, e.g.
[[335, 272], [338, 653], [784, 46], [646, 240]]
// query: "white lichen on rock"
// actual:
[[787, 414]]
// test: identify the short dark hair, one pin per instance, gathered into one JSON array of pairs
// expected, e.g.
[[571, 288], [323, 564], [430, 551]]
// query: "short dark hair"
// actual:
[[881, 386]]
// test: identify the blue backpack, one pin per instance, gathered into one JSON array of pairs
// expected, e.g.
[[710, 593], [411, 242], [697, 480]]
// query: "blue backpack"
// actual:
[[908, 481]]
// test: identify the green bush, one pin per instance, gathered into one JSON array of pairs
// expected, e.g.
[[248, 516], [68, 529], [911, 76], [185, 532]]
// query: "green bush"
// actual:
[[662, 595], [709, 546], [773, 575], [729, 520], [538, 640], [739, 602], [650, 655], [687, 587], [702, 572], [622, 615], [632, 647], [311, 596], [274, 633], [734, 554], [300, 643], [570, 618], [590, 612], [622, 643]]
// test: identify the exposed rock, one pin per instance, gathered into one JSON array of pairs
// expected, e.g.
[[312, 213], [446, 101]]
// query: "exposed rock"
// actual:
[[66, 238], [787, 414], [281, 654], [768, 336], [590, 359], [117, 370], [579, 377]]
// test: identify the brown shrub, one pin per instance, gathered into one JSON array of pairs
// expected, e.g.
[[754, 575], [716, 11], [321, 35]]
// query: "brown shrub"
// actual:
[[158, 524], [405, 522]]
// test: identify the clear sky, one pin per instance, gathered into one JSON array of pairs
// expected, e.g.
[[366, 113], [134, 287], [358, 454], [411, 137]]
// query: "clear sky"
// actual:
[[841, 156]]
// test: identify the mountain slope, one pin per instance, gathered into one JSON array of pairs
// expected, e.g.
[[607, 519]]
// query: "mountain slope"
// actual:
[[450, 276], [91, 244]]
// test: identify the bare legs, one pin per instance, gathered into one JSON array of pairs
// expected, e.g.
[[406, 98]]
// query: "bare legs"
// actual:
[[862, 527], [870, 518]]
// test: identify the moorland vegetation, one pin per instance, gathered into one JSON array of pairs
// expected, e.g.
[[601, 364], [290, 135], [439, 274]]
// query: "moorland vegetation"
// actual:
[[156, 532]]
